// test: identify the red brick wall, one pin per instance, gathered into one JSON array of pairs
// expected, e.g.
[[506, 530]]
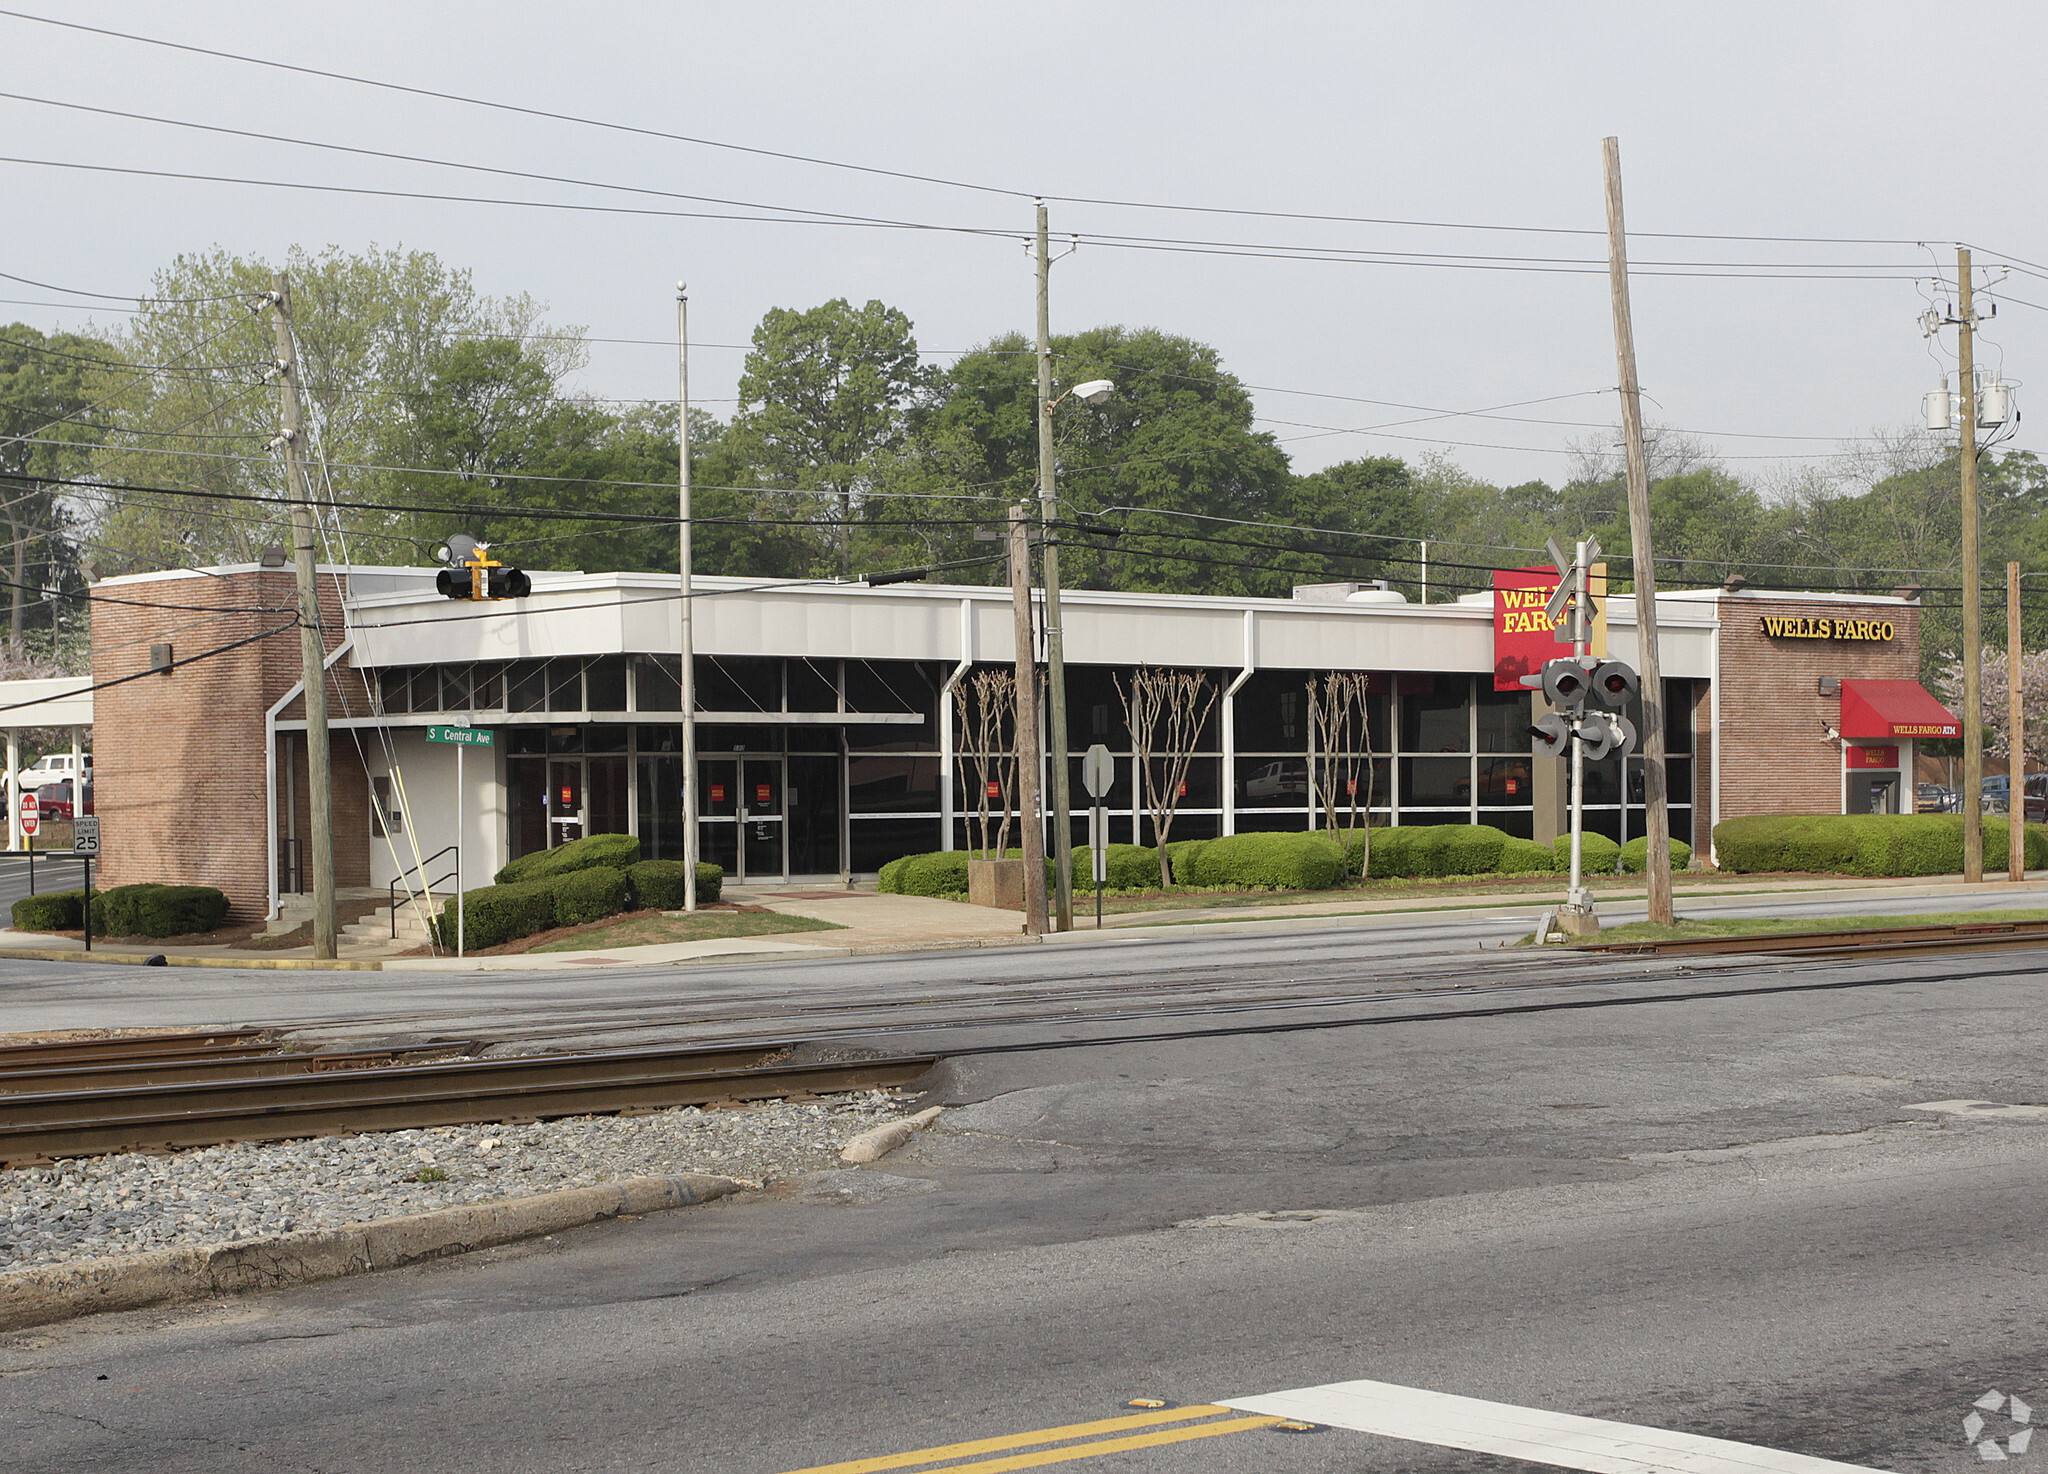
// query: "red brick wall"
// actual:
[[1774, 758], [178, 758]]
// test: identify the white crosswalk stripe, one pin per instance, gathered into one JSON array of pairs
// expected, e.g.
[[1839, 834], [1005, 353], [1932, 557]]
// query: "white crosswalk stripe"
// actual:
[[1563, 1440]]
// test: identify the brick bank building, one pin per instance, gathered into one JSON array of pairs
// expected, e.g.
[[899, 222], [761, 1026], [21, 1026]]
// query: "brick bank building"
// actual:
[[828, 738]]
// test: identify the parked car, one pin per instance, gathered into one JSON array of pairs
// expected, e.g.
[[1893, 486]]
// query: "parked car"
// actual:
[[1282, 780], [1934, 798], [54, 800], [52, 767], [1998, 796]]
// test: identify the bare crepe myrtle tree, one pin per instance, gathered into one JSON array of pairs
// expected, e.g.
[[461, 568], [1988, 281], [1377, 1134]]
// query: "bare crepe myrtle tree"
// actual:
[[987, 706], [1165, 711], [1340, 773]]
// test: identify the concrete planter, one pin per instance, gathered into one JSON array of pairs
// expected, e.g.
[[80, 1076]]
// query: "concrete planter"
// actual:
[[998, 883]]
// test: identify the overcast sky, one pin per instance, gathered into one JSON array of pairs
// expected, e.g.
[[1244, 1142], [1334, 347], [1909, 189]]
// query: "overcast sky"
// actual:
[[1868, 120]]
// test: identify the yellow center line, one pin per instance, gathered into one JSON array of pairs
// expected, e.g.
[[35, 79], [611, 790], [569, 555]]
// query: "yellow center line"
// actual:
[[1015, 1440], [1112, 1446]]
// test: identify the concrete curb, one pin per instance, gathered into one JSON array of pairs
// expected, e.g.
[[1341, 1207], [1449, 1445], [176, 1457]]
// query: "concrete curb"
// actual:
[[138, 959], [54, 1292], [877, 1142]]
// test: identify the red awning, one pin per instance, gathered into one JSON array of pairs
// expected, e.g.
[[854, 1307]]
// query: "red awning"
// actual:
[[1889, 710]]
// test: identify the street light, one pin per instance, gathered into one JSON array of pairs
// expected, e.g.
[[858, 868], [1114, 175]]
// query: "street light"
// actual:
[[1094, 391]]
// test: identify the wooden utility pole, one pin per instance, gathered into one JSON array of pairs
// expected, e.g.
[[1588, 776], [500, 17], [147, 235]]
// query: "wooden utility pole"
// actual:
[[312, 642], [1028, 760], [684, 559], [1973, 593], [2016, 739], [1656, 812], [1055, 651]]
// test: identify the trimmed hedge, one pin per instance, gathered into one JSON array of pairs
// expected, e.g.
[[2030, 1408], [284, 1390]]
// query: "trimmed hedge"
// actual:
[[590, 894], [51, 911], [1271, 861], [1132, 867], [1598, 855], [1636, 854], [1432, 849], [1863, 844], [152, 910], [616, 851], [499, 913], [1520, 855], [1181, 858], [660, 883], [939, 873]]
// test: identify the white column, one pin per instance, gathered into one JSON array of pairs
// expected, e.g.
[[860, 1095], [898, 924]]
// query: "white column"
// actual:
[[13, 789]]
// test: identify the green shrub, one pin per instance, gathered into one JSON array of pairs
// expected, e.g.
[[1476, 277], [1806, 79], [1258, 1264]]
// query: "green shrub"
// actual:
[[590, 894], [153, 910], [1389, 851], [499, 913], [1863, 844], [1271, 861], [50, 911], [615, 851], [1131, 867], [1432, 849], [1181, 858], [1636, 853], [1519, 856], [1598, 855], [940, 873], [660, 883], [889, 879]]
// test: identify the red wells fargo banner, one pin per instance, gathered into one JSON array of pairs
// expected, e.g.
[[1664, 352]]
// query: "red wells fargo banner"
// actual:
[[1523, 638]]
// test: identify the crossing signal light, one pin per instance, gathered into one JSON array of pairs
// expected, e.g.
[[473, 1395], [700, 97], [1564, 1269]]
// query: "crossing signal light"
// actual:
[[1565, 684], [1615, 684], [1605, 734], [1549, 735], [476, 575]]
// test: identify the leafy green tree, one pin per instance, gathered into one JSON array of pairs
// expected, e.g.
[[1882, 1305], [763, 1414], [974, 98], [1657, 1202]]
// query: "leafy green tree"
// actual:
[[824, 400]]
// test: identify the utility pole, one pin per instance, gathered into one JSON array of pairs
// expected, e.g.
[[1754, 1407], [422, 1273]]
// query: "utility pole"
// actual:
[[312, 641], [1055, 653], [1973, 594], [1027, 726], [1656, 811], [684, 553], [2016, 738]]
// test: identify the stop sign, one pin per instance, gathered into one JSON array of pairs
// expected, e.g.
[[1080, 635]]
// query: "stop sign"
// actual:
[[31, 814]]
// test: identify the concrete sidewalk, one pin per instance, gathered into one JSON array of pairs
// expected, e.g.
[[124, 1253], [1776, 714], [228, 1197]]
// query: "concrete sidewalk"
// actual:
[[868, 923]]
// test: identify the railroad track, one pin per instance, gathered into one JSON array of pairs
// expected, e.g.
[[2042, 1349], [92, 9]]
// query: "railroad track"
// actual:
[[48, 1113], [1862, 942]]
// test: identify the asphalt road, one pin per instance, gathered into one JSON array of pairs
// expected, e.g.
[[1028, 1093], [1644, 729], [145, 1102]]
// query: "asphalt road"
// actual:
[[1716, 1216]]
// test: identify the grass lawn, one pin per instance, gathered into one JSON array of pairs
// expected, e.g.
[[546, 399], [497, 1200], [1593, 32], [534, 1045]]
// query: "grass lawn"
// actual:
[[1757, 926], [705, 926]]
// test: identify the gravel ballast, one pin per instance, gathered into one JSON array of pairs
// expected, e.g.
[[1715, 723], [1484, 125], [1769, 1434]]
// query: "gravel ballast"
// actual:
[[91, 1207]]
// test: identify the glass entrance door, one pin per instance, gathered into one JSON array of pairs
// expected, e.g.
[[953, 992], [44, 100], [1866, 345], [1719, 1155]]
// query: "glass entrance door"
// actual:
[[718, 832], [566, 818], [764, 849]]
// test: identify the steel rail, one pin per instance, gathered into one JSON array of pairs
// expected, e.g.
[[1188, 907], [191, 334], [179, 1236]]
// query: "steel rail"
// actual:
[[76, 1075], [1874, 942], [213, 1044], [41, 1127]]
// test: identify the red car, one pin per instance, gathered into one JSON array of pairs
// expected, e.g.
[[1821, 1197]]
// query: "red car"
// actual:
[[53, 800]]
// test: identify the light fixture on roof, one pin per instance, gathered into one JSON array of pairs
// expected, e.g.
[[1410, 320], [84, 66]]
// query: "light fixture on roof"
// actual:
[[1909, 591], [1735, 583], [272, 558]]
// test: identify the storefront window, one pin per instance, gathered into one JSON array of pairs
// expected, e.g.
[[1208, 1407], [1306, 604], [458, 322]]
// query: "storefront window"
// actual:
[[1503, 720], [1435, 717], [605, 683], [813, 685], [1435, 783], [658, 683], [893, 784], [526, 687]]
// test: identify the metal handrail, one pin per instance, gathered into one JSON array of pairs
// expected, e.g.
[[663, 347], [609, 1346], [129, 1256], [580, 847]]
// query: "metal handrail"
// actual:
[[426, 890]]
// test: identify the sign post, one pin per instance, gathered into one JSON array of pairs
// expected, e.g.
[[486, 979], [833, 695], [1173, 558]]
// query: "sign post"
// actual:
[[85, 843], [461, 738], [31, 820], [1098, 772]]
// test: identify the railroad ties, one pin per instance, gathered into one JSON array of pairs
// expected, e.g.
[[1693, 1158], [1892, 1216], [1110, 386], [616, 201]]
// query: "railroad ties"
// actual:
[[1863, 942], [86, 1097]]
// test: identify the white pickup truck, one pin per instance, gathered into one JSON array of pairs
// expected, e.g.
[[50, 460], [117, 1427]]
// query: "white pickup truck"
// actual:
[[52, 767]]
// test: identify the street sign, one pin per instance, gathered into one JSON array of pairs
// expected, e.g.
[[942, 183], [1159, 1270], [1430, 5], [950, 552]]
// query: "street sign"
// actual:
[[85, 835], [1098, 771], [31, 814], [461, 736]]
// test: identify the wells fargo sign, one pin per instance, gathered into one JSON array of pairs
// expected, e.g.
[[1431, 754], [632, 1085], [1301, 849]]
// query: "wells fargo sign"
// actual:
[[1523, 636], [1786, 627]]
